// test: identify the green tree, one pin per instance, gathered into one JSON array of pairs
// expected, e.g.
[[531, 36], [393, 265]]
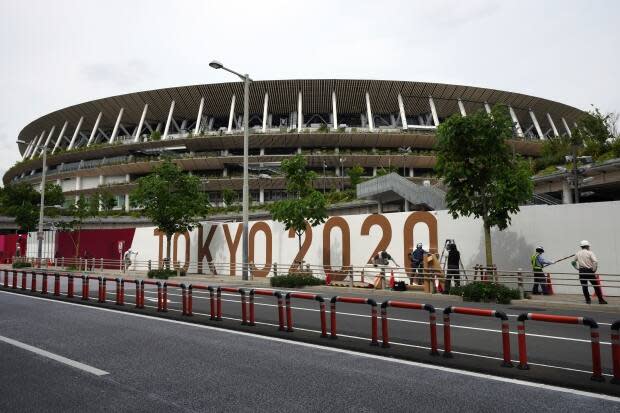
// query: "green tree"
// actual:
[[355, 175], [308, 207], [595, 132], [106, 200], [229, 197], [172, 199], [22, 201], [484, 179], [73, 221]]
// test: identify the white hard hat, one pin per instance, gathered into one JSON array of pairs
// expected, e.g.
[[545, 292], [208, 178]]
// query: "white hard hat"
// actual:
[[584, 243]]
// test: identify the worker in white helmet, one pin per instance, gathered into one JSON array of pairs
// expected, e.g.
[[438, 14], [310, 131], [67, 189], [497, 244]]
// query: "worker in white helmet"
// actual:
[[586, 263]]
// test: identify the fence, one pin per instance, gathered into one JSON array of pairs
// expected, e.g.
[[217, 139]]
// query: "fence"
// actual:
[[216, 312]]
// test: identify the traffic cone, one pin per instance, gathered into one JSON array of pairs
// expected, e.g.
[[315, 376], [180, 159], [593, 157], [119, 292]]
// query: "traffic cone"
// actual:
[[392, 281]]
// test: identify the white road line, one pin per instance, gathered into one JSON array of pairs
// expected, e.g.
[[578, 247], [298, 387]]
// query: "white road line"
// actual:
[[349, 352], [56, 357]]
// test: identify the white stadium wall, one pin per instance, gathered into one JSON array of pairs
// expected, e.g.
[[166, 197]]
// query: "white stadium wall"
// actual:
[[558, 228]]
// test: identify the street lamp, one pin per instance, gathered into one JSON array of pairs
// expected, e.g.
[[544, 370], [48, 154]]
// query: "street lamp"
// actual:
[[405, 151], [342, 173], [42, 206], [246, 192]]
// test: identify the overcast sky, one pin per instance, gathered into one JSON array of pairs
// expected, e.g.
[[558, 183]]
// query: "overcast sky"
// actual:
[[62, 52]]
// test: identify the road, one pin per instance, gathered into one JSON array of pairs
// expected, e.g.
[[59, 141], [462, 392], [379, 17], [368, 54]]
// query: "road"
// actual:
[[152, 364]]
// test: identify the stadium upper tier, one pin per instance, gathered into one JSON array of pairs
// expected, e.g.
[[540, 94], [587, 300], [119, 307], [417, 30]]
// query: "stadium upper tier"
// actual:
[[337, 124]]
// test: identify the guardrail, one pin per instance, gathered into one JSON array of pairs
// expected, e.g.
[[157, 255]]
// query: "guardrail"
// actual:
[[549, 318], [216, 312]]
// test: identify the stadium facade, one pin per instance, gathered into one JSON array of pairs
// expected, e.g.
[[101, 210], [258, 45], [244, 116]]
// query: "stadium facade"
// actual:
[[337, 124]]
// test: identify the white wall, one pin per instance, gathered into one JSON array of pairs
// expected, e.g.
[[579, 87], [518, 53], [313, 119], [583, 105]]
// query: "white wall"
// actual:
[[558, 228]]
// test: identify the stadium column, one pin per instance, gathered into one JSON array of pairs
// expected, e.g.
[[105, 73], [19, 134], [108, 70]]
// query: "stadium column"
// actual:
[[139, 128], [75, 134], [232, 114], [536, 125], [371, 122], [168, 121], [487, 107], [265, 113], [118, 122], [567, 193], [515, 121], [60, 136], [29, 148], [403, 115], [300, 113], [566, 127], [94, 131], [431, 103], [78, 186], [261, 196], [36, 146], [334, 110], [555, 130], [49, 138], [127, 179], [462, 108], [199, 116]]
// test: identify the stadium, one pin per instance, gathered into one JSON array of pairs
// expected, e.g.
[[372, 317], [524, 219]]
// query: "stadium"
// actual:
[[382, 126]]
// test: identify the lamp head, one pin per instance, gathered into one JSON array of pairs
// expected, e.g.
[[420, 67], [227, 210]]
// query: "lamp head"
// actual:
[[216, 65]]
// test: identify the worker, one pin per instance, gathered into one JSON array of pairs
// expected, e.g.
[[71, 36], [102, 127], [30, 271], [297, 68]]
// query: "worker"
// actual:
[[586, 263], [417, 262], [382, 259], [454, 268], [538, 263]]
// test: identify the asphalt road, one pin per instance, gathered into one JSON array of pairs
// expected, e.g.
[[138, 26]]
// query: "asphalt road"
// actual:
[[153, 364]]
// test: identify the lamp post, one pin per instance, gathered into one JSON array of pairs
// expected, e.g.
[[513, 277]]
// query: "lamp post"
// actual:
[[246, 193], [405, 151], [342, 173], [42, 205], [324, 167]]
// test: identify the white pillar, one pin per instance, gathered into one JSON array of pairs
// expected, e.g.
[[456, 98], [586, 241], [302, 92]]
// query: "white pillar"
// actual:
[[49, 138], [487, 107], [29, 148], [261, 196], [126, 202], [265, 113], [199, 117], [374, 171], [555, 130], [78, 186], [462, 108], [566, 127], [371, 123], [334, 110], [94, 131], [168, 121], [139, 128], [567, 193], [431, 103], [60, 135], [232, 114], [515, 120], [403, 115], [75, 134], [118, 122], [262, 152], [300, 113], [36, 146], [536, 125], [411, 172]]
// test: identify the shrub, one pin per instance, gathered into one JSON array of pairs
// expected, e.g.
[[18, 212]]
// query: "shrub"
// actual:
[[487, 292], [155, 135], [164, 274], [21, 264], [295, 279]]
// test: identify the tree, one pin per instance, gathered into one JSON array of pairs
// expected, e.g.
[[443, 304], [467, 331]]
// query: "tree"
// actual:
[[22, 201], [355, 175], [484, 179], [229, 197], [172, 199], [595, 132], [308, 205], [75, 215]]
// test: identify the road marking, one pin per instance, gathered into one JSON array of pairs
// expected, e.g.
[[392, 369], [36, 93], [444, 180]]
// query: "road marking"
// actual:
[[343, 351], [58, 358]]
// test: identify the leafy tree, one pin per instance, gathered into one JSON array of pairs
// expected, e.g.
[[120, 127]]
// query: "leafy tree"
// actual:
[[385, 171], [172, 199], [229, 197], [355, 175], [75, 215], [22, 201], [106, 200], [595, 132], [308, 207], [483, 177]]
